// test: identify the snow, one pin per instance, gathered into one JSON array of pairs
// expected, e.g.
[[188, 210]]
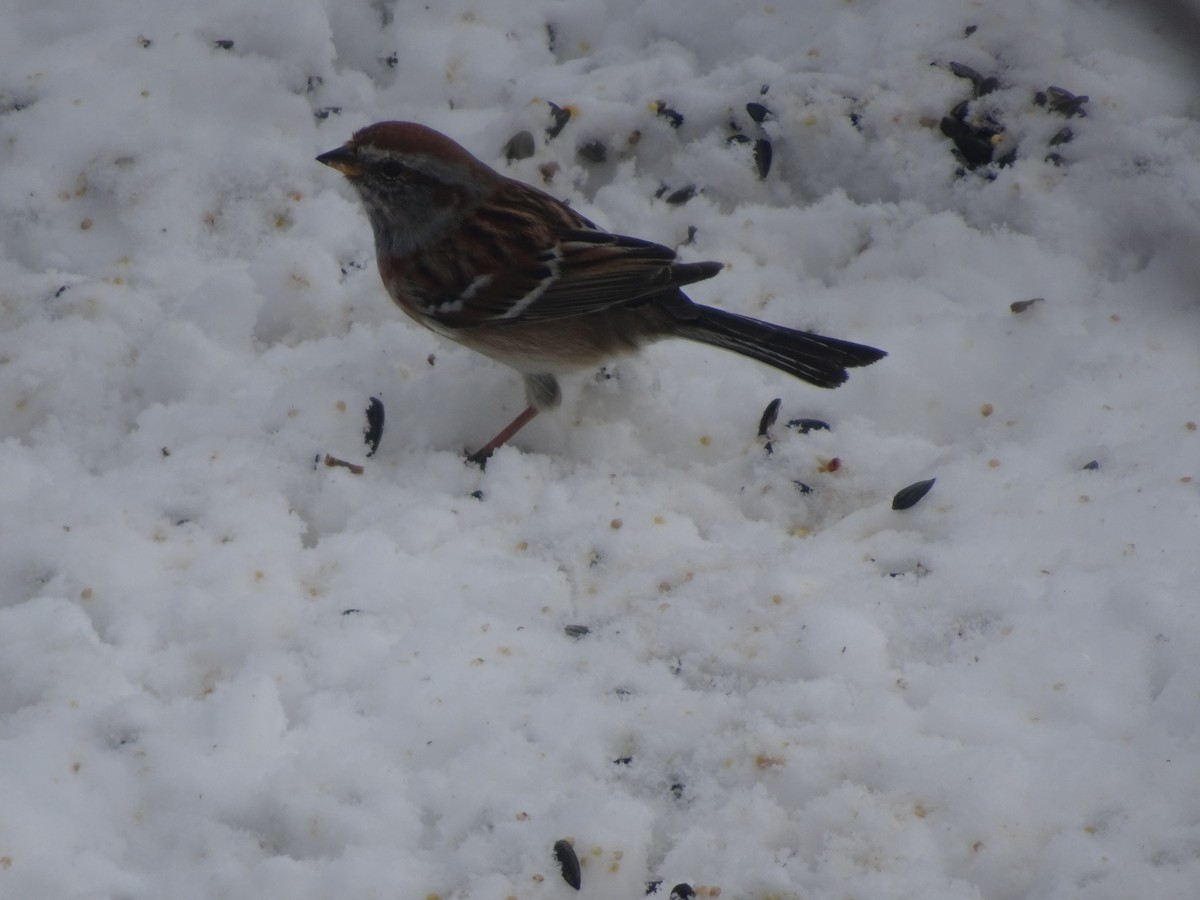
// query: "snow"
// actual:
[[230, 670]]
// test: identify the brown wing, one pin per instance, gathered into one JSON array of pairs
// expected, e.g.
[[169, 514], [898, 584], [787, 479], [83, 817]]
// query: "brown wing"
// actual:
[[565, 265]]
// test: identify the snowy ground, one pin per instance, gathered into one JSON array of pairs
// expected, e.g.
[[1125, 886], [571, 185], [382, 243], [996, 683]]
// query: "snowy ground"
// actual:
[[227, 671]]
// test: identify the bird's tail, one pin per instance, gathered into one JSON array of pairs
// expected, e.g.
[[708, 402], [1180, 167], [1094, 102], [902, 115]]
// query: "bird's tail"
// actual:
[[819, 360]]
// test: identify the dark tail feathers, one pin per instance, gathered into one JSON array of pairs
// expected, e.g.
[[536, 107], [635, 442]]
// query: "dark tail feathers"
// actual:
[[819, 360]]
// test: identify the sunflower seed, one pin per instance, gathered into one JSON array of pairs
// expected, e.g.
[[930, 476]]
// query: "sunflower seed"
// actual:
[[1019, 306], [561, 117], [673, 116], [762, 157], [593, 151], [758, 112], [519, 146], [568, 862], [770, 414], [804, 426], [908, 497], [682, 196], [373, 433]]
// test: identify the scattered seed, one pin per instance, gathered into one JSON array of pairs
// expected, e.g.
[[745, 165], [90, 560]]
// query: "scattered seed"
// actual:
[[1063, 101], [373, 433], [682, 892], [351, 612], [770, 414], [1062, 136], [974, 149], [970, 30], [653, 886], [762, 157], [1092, 466], [908, 497], [677, 790], [391, 60], [1019, 306], [561, 117], [568, 862], [326, 111], [622, 760], [519, 146], [593, 151], [223, 44], [478, 495], [738, 138], [332, 461], [758, 112], [962, 70], [576, 631], [981, 84], [802, 487], [144, 42], [682, 196], [673, 116], [804, 426]]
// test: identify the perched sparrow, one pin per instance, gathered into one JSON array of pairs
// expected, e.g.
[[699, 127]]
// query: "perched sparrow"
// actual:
[[519, 276]]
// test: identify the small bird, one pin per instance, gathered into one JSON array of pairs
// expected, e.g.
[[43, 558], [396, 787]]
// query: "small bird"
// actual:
[[517, 275]]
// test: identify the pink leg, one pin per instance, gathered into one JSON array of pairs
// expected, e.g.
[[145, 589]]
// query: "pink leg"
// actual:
[[480, 456]]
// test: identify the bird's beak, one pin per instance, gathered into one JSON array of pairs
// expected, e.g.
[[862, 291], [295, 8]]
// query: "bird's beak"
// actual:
[[344, 159]]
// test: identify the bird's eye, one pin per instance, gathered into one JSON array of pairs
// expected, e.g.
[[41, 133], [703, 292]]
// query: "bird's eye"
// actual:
[[390, 168]]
